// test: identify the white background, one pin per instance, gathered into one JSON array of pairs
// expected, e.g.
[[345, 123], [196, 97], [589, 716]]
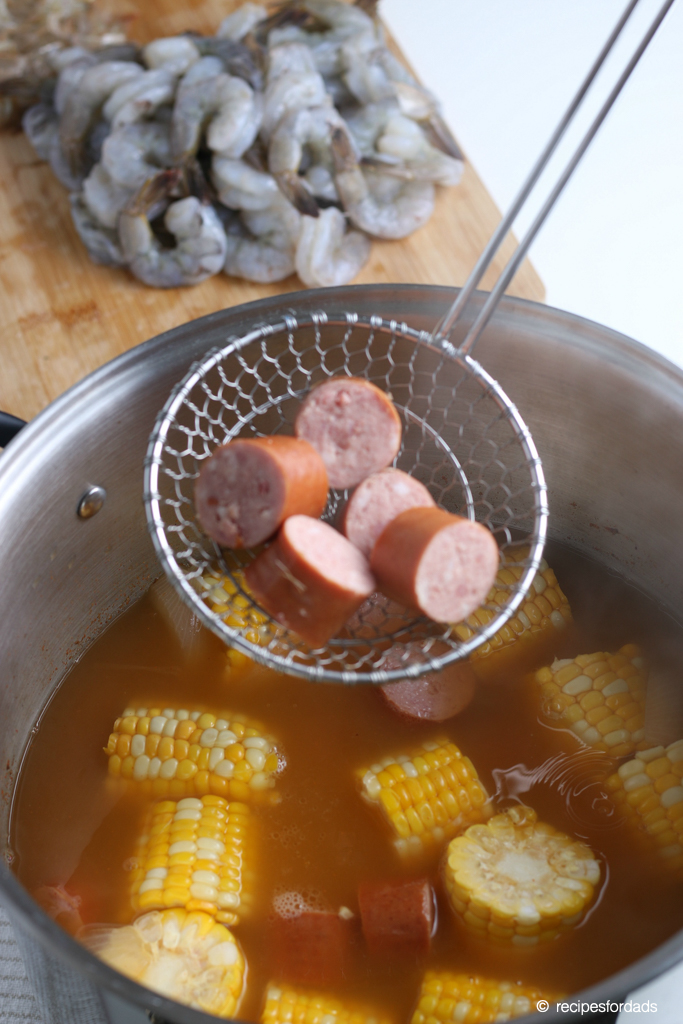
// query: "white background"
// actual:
[[612, 249], [505, 70]]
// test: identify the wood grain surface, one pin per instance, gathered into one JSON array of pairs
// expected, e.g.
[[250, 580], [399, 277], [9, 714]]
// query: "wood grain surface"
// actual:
[[61, 316]]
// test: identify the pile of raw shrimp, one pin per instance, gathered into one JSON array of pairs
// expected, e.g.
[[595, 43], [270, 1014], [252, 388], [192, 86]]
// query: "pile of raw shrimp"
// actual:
[[282, 144]]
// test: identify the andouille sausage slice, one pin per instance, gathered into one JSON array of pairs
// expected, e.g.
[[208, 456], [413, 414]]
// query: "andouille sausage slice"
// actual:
[[439, 563], [310, 948], [248, 487], [433, 697], [354, 426], [397, 917], [376, 501], [310, 579]]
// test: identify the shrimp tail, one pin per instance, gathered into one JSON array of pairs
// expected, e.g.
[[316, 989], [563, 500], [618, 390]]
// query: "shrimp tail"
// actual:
[[294, 189], [163, 185], [343, 152]]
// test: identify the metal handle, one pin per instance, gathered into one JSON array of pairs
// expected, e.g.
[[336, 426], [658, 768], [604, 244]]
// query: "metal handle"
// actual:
[[9, 428], [447, 323]]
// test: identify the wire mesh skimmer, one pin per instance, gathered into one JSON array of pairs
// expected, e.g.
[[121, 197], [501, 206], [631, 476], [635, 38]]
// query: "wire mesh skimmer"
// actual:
[[462, 437]]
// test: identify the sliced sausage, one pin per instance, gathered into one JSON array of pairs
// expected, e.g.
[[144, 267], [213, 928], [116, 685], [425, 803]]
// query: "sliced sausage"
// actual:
[[376, 501], [436, 562], [310, 579], [397, 917], [433, 697], [247, 488], [310, 948], [355, 427]]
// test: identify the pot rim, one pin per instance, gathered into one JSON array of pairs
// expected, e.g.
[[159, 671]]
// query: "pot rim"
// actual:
[[586, 334]]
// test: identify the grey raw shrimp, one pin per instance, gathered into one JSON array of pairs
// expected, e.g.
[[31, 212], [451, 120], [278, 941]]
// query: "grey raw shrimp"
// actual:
[[224, 106], [261, 244], [141, 97], [200, 246], [397, 145], [83, 105], [241, 187], [382, 205], [136, 152], [307, 131], [327, 254], [292, 83]]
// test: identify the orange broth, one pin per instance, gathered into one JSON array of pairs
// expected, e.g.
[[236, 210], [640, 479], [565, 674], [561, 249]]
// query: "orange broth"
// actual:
[[322, 839]]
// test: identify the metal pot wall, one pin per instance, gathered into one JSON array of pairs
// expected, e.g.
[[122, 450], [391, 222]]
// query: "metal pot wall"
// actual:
[[607, 417]]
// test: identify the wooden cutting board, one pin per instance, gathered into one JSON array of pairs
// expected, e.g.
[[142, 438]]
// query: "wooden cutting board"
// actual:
[[61, 316]]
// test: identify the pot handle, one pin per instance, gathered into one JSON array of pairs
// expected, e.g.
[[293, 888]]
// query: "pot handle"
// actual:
[[9, 428]]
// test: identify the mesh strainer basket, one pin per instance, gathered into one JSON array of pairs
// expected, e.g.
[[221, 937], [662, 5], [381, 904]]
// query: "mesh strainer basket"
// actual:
[[462, 438]]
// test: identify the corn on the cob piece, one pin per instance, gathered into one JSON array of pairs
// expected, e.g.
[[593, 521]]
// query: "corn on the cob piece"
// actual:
[[183, 956], [600, 697], [187, 753], [544, 612], [648, 791], [285, 1005], [225, 599], [446, 998], [516, 880], [191, 855], [426, 796]]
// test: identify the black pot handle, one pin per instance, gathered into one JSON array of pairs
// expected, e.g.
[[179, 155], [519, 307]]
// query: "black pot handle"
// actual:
[[9, 427]]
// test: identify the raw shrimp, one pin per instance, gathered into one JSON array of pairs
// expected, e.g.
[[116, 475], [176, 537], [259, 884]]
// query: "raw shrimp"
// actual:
[[302, 132], [84, 103], [404, 151], [102, 243], [344, 21], [200, 238], [293, 84], [327, 255], [262, 243], [140, 98], [41, 124], [238, 117], [227, 104], [175, 53], [379, 204], [241, 22], [104, 197], [398, 145], [133, 154], [241, 187]]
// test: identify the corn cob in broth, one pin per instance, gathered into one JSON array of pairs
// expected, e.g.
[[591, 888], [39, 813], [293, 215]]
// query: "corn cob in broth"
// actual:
[[544, 614], [224, 599], [600, 697], [426, 796], [286, 1005], [184, 956], [447, 998], [178, 753], [516, 880], [191, 855], [648, 792]]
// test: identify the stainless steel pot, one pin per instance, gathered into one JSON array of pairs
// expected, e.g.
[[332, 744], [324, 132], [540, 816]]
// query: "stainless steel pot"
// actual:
[[606, 414]]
